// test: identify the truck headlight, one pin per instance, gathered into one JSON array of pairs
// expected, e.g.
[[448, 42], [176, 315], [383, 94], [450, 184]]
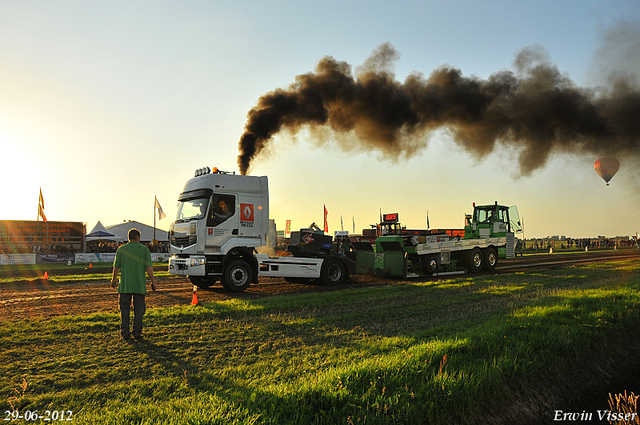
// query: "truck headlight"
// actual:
[[193, 228], [197, 262]]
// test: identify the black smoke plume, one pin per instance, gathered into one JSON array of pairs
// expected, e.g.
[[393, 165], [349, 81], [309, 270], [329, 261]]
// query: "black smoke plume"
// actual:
[[534, 109]]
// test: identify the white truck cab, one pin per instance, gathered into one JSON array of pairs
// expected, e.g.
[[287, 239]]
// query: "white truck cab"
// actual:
[[221, 217], [220, 221]]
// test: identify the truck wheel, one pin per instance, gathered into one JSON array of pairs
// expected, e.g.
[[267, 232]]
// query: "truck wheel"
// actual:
[[490, 259], [237, 276], [333, 272], [431, 265], [475, 260], [202, 282]]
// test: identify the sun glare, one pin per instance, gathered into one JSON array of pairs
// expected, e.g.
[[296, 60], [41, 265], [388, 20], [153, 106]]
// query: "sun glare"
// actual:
[[21, 175]]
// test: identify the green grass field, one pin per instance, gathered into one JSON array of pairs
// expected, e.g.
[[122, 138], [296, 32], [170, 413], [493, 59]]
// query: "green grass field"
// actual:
[[460, 350]]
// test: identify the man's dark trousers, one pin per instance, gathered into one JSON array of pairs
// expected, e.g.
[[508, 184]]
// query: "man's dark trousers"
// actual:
[[139, 308]]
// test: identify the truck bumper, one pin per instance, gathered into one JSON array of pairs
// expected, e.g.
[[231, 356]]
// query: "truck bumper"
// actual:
[[190, 266]]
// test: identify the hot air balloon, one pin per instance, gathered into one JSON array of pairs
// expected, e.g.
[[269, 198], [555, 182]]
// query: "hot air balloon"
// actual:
[[606, 168]]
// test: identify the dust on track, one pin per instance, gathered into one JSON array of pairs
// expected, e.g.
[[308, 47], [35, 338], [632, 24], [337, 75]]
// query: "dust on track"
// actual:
[[39, 298]]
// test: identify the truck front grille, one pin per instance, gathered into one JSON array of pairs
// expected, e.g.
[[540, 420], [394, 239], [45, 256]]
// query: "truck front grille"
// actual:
[[184, 241]]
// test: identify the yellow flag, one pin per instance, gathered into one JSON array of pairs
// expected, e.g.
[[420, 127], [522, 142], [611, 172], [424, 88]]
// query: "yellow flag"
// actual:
[[41, 207]]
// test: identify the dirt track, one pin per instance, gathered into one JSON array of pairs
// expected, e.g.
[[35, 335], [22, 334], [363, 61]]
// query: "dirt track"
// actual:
[[42, 298]]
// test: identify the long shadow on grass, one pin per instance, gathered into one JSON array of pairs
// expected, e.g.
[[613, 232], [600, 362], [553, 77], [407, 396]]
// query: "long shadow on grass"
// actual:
[[191, 374], [303, 407], [404, 310]]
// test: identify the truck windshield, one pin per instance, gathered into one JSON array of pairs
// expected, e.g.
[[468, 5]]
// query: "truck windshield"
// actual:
[[483, 214], [192, 209], [491, 214]]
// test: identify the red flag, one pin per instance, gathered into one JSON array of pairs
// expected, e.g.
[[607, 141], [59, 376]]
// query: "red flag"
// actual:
[[326, 225], [41, 208], [287, 230]]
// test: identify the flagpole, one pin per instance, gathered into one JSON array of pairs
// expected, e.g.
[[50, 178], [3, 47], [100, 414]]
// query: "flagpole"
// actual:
[[38, 223], [154, 219], [157, 208]]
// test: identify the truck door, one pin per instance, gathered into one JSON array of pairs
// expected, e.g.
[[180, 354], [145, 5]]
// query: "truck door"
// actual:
[[514, 220], [222, 220]]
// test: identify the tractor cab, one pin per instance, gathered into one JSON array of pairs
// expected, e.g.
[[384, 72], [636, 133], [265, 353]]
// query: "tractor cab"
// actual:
[[389, 225], [490, 221]]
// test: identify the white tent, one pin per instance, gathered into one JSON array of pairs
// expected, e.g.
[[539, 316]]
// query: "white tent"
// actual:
[[100, 233], [146, 232]]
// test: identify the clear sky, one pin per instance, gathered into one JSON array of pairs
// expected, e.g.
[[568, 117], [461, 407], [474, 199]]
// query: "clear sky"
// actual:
[[105, 105]]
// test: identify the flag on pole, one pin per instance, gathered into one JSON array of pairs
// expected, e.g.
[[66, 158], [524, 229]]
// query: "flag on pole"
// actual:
[[287, 229], [354, 223], [41, 208], [326, 224], [161, 213], [341, 223], [428, 227]]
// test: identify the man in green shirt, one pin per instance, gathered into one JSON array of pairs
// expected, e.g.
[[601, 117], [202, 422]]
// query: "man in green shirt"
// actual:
[[133, 259]]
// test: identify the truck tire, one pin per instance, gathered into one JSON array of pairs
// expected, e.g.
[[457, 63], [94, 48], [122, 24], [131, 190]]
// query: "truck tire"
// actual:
[[490, 259], [475, 260], [333, 272], [431, 264], [237, 276], [202, 282]]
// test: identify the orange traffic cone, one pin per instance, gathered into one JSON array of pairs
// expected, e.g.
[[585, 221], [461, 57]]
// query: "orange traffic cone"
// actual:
[[194, 300], [46, 276], [90, 265]]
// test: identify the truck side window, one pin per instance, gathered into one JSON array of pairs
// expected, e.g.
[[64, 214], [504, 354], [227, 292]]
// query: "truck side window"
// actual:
[[222, 208]]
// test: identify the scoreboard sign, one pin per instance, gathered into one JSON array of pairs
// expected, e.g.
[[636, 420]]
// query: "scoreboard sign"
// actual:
[[24, 235], [390, 218]]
